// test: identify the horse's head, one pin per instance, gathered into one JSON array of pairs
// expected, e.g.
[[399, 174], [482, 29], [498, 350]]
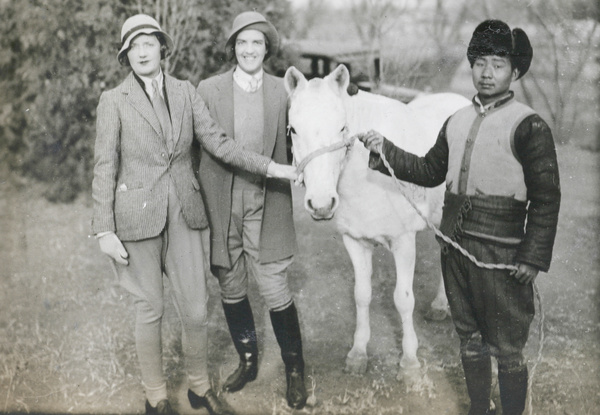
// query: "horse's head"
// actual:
[[317, 122]]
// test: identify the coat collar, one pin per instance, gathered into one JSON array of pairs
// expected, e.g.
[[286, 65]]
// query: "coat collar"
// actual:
[[138, 99]]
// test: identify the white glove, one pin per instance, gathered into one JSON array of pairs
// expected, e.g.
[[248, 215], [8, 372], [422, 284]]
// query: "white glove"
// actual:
[[281, 171], [111, 245]]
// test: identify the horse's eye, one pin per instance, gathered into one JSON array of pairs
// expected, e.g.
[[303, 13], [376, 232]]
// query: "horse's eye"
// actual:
[[291, 129]]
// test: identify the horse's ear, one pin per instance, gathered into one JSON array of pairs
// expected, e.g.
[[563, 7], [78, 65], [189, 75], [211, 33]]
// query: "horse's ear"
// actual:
[[340, 76], [292, 79]]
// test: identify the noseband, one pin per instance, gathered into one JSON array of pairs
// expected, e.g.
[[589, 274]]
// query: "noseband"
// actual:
[[347, 142]]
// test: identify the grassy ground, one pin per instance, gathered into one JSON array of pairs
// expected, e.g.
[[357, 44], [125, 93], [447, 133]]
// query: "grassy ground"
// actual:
[[66, 341]]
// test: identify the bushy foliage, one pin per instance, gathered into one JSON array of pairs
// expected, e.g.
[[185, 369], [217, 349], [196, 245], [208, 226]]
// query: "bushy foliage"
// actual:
[[59, 55]]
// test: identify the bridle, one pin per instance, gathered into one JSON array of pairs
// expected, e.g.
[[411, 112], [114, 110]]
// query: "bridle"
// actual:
[[347, 142]]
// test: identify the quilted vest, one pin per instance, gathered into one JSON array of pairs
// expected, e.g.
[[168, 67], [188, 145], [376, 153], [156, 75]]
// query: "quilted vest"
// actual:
[[482, 158]]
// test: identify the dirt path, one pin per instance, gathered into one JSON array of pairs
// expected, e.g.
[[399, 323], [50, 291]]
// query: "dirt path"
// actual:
[[66, 328]]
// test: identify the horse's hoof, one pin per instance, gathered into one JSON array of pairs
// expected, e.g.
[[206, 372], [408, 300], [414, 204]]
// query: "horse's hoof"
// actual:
[[436, 314], [410, 370], [356, 365]]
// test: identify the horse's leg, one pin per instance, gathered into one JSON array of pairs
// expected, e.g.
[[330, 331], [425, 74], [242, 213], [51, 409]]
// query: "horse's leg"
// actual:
[[404, 250], [439, 306], [361, 255]]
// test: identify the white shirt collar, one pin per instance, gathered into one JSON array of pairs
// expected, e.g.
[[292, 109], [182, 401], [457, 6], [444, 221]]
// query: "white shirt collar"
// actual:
[[487, 107], [148, 84], [247, 82]]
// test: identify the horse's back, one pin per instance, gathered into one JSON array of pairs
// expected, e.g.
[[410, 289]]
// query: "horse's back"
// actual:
[[374, 204], [413, 127], [432, 110]]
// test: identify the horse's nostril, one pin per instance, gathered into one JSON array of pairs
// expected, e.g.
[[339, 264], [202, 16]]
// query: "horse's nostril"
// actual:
[[309, 204], [334, 203]]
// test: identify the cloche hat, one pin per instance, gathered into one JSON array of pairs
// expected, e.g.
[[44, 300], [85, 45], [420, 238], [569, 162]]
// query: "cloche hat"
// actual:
[[254, 21], [494, 37], [140, 24]]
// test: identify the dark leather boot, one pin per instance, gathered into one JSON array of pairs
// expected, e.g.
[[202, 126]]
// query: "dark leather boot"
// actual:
[[243, 333], [478, 377], [162, 408], [211, 402], [287, 332], [513, 389]]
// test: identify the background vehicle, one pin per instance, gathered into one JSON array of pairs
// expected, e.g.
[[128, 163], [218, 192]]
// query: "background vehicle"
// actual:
[[318, 58]]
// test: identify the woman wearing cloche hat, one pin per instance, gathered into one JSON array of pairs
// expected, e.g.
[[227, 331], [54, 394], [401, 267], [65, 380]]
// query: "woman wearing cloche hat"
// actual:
[[499, 163], [252, 226], [149, 215]]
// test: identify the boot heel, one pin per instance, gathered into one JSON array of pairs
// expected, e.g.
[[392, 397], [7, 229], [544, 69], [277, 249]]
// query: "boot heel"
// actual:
[[296, 391], [245, 372]]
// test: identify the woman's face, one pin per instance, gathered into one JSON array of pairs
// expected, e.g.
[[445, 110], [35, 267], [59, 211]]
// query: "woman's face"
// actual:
[[250, 50], [144, 55]]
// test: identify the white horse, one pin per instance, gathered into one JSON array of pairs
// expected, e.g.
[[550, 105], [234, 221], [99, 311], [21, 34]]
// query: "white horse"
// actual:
[[368, 206]]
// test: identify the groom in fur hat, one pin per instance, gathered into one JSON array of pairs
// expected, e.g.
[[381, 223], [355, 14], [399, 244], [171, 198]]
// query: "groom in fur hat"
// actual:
[[502, 199]]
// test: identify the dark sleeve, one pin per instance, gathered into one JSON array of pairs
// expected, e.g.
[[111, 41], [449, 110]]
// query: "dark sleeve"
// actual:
[[534, 146], [427, 171]]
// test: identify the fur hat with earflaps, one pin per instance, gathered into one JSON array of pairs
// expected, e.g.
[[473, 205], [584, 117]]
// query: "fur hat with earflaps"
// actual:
[[494, 37], [255, 21]]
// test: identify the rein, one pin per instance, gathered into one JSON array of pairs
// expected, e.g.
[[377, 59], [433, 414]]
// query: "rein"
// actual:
[[347, 143]]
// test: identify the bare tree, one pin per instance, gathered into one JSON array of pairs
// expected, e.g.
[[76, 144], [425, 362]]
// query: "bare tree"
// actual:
[[444, 29], [567, 48], [179, 18], [373, 19], [564, 47], [311, 13]]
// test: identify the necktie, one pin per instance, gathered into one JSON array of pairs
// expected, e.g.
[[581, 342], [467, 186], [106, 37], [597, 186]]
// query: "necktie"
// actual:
[[253, 85], [163, 115]]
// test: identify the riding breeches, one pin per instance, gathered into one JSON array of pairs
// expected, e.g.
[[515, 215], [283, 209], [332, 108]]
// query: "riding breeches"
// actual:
[[176, 253], [243, 243], [490, 308]]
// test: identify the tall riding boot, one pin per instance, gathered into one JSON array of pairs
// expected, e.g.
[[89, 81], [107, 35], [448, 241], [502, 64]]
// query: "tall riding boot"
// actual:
[[478, 376], [287, 332], [243, 333], [513, 389]]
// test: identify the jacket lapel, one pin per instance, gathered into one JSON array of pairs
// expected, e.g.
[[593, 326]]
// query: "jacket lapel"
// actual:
[[224, 103], [176, 99], [137, 98], [271, 113], [224, 108]]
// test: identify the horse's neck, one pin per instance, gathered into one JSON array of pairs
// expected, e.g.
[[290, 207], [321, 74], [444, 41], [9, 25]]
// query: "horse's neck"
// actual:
[[392, 118], [361, 112]]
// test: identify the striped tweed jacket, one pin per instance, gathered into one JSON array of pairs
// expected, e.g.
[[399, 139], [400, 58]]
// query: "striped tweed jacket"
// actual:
[[134, 169]]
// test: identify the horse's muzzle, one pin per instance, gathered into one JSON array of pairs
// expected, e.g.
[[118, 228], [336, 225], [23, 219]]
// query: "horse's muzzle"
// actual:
[[324, 212]]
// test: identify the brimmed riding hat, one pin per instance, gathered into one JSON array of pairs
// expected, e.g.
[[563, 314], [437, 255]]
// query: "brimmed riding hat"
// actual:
[[255, 21], [494, 37], [140, 24]]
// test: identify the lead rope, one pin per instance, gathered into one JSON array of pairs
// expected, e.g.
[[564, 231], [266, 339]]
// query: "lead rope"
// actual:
[[480, 264]]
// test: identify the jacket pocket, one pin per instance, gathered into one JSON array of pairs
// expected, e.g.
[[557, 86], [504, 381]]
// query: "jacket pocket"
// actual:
[[131, 200], [124, 187]]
